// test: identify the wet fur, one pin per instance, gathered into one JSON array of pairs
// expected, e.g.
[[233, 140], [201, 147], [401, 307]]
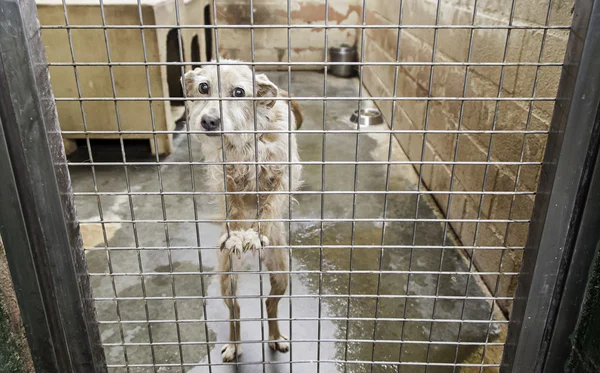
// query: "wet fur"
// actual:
[[237, 115]]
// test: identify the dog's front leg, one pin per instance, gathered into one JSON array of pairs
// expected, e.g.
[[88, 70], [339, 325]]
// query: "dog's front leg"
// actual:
[[231, 244], [271, 209], [276, 260], [237, 239], [229, 281]]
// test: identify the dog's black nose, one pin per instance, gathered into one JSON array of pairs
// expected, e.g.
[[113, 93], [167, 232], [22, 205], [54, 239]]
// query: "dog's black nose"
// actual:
[[210, 123]]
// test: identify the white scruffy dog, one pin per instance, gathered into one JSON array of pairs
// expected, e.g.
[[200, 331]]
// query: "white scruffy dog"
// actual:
[[228, 131]]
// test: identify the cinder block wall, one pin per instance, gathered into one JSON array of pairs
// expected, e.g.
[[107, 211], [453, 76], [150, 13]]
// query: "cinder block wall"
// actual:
[[487, 46], [271, 45]]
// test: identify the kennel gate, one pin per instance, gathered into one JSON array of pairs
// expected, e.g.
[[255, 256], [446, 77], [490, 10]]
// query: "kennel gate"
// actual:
[[41, 231]]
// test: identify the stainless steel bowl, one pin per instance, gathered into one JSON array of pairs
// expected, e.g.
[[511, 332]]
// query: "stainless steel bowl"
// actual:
[[367, 117], [344, 53]]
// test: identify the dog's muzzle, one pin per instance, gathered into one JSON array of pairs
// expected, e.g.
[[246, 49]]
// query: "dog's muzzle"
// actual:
[[210, 124]]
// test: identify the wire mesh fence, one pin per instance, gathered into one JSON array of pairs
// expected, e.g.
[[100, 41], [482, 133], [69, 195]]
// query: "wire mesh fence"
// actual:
[[402, 243]]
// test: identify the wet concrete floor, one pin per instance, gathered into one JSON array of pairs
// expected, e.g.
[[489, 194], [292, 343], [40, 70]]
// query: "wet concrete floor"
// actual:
[[404, 309]]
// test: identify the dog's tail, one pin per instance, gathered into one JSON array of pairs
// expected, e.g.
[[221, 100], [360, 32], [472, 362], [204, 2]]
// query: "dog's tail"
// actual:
[[296, 108]]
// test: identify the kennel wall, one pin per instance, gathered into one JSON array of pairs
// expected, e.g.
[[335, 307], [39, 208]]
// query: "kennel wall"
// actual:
[[271, 44], [122, 73], [489, 59]]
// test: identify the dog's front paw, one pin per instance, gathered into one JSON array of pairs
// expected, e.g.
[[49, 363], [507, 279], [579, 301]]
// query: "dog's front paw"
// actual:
[[238, 242], [281, 346], [228, 352], [233, 243], [264, 241], [252, 241]]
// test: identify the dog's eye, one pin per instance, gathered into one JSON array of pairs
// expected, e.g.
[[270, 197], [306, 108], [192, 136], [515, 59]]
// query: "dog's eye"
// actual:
[[203, 88], [239, 92]]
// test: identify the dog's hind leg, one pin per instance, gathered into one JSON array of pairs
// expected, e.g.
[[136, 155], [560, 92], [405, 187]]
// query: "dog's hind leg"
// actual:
[[276, 260], [228, 290]]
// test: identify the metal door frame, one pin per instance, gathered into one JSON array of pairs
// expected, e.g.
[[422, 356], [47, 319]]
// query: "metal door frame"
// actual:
[[37, 221], [555, 257]]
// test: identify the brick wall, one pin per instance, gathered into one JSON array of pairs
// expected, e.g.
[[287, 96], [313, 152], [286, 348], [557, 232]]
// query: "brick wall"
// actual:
[[271, 45], [483, 81]]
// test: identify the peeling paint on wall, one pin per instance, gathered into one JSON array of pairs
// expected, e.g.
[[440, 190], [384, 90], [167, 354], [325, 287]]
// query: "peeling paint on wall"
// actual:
[[271, 45]]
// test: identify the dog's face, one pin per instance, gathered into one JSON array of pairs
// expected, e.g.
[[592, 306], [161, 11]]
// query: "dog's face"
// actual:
[[237, 114]]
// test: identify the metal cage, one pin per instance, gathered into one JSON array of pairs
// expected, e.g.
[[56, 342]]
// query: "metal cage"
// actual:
[[392, 266]]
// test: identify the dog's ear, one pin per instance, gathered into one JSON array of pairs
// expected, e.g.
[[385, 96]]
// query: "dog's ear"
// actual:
[[266, 88], [187, 81]]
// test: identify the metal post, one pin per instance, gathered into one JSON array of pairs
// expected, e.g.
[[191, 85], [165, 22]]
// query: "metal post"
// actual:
[[585, 249], [564, 184], [37, 220]]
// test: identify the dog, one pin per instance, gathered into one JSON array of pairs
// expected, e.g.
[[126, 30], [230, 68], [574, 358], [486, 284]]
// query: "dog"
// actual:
[[226, 130]]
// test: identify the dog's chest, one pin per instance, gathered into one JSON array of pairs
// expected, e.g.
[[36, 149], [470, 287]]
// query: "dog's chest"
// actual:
[[242, 173], [242, 178]]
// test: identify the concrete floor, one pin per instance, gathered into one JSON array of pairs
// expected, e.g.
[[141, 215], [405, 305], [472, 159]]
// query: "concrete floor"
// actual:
[[177, 178]]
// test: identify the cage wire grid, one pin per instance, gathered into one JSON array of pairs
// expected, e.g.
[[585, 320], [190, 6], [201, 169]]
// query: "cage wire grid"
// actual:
[[345, 339]]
